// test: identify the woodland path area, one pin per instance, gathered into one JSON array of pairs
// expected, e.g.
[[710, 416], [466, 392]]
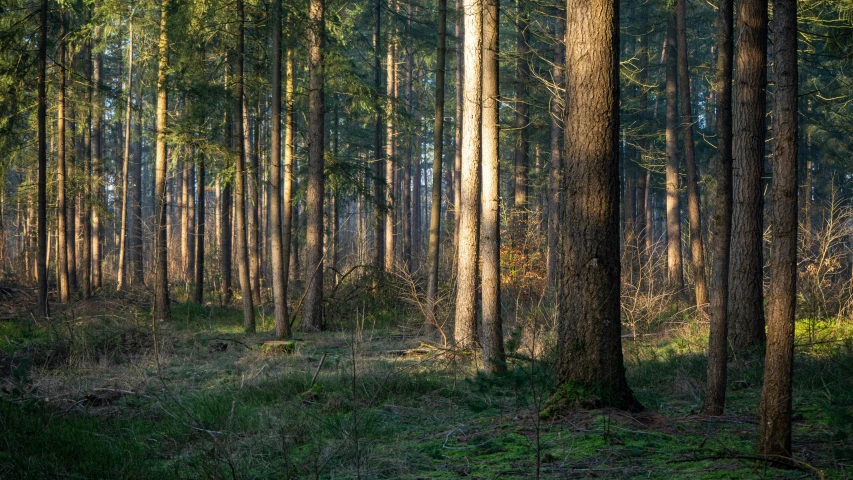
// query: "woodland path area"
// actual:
[[87, 396]]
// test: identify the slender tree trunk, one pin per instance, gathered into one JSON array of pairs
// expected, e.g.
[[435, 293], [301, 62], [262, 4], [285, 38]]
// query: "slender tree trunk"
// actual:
[[693, 209], [97, 198], [41, 230], [288, 220], [161, 281], [438, 150], [675, 271], [556, 170], [390, 160], [746, 305], [122, 250], [378, 170], [279, 280], [185, 180], [86, 198], [136, 251], [467, 256], [715, 397], [457, 141], [198, 294], [240, 179], [521, 157], [589, 326], [414, 161], [494, 360], [252, 205], [312, 314], [776, 396], [61, 178]]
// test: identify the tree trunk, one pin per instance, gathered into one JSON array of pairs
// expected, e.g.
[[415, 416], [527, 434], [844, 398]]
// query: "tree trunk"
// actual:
[[97, 197], [185, 180], [279, 280], [465, 332], [438, 150], [675, 272], [776, 396], [390, 160], [378, 170], [746, 306], [312, 313], [252, 218], [61, 178], [161, 280], [715, 396], [521, 157], [288, 220], [240, 180], [556, 170], [136, 251], [457, 141], [693, 209], [41, 254], [125, 168], [198, 295], [494, 360], [589, 327]]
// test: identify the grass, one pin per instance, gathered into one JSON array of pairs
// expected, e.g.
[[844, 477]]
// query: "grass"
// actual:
[[200, 410]]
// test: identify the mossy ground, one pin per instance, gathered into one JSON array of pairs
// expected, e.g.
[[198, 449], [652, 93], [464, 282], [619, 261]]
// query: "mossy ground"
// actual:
[[211, 404]]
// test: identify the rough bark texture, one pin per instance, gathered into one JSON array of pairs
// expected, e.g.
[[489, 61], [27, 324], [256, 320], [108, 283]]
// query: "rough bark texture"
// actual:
[[312, 314], [240, 181], [390, 160], [746, 306], [675, 272], [61, 178], [715, 391], [457, 140], [467, 259], [589, 338], [494, 359], [438, 149], [776, 397], [287, 190], [696, 246], [161, 281], [279, 280]]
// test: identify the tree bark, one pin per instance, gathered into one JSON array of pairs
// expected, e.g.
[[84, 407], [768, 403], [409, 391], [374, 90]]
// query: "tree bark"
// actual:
[[438, 150], [457, 141], [240, 179], [494, 359], [390, 160], [556, 166], [161, 281], [97, 197], [521, 156], [589, 326], [125, 169], [776, 396], [378, 164], [467, 254], [693, 205], [198, 294], [746, 306], [715, 391], [675, 272], [312, 314], [61, 178], [279, 280]]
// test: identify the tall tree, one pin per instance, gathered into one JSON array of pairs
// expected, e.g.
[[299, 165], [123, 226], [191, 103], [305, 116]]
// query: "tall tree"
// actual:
[[457, 134], [162, 309], [696, 245], [125, 169], [556, 166], [438, 150], [589, 325], [776, 396], [312, 314], [61, 173], [198, 294], [467, 253], [494, 359], [41, 254], [240, 178], [97, 197], [390, 149], [521, 155], [746, 278], [715, 391], [288, 167], [282, 324], [378, 166], [675, 271]]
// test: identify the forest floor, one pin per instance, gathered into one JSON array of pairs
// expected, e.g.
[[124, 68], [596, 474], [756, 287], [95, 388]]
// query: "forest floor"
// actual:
[[88, 396]]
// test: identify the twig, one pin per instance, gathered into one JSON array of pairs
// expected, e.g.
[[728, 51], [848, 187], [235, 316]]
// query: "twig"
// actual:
[[317, 372]]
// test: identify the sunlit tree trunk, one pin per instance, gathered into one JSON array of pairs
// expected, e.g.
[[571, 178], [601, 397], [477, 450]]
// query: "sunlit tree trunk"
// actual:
[[467, 256], [675, 271], [240, 179], [61, 179], [390, 160], [279, 280], [589, 326], [250, 166], [494, 360], [715, 391], [746, 305], [776, 396], [97, 197], [125, 168], [312, 313], [161, 281], [378, 164], [41, 230], [457, 158], [693, 209]]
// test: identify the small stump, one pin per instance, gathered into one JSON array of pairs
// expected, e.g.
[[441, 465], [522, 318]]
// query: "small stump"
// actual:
[[283, 347]]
